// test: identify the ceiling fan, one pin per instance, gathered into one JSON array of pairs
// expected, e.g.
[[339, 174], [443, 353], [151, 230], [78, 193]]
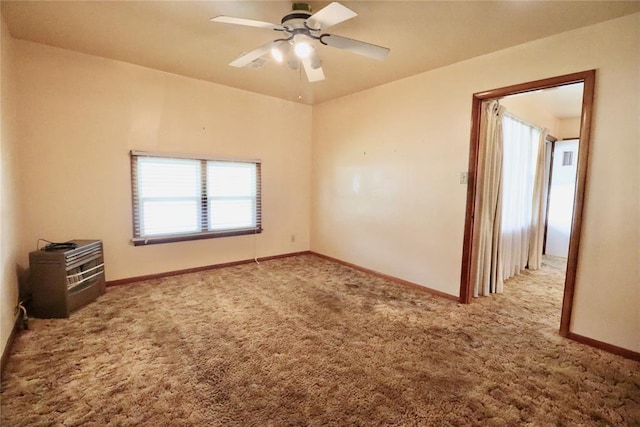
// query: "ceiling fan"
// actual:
[[299, 30]]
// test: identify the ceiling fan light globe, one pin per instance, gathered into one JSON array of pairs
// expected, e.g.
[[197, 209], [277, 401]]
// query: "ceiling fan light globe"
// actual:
[[280, 51], [277, 54], [302, 49], [293, 63], [314, 60]]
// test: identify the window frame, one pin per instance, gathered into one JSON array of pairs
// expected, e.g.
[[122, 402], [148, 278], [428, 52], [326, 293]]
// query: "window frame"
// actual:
[[203, 208]]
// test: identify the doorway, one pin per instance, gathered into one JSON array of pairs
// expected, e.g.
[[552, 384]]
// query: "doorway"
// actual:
[[473, 196], [562, 169]]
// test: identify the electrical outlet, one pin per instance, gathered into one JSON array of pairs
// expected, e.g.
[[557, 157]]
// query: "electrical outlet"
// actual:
[[464, 177]]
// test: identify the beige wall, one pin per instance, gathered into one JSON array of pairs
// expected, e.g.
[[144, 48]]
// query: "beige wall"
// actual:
[[9, 200], [532, 112], [386, 165], [568, 128], [78, 117]]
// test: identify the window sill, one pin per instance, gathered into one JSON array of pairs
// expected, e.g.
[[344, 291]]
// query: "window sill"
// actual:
[[154, 240]]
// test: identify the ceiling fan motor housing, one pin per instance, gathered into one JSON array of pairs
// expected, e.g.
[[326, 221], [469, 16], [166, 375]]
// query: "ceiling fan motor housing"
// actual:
[[295, 19]]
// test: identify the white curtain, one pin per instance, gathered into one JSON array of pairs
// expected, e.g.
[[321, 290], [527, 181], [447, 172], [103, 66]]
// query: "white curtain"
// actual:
[[487, 216], [522, 150]]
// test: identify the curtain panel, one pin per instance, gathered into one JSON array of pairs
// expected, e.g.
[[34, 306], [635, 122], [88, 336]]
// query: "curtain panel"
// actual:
[[538, 204], [520, 157], [488, 213]]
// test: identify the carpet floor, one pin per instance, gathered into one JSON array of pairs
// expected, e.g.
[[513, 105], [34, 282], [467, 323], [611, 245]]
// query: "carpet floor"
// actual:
[[305, 341]]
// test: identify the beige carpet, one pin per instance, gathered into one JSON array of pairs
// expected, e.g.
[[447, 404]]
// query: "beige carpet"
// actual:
[[304, 341]]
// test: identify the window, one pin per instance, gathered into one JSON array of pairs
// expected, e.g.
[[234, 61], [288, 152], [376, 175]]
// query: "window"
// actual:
[[179, 198], [520, 153]]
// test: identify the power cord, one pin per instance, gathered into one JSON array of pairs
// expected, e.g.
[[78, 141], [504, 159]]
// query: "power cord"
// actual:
[[42, 240], [255, 245], [25, 318]]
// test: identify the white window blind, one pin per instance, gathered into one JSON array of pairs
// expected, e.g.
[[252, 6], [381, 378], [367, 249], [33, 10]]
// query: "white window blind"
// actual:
[[180, 198], [232, 195]]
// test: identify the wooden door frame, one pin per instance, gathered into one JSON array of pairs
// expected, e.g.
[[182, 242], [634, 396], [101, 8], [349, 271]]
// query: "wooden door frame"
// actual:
[[467, 278]]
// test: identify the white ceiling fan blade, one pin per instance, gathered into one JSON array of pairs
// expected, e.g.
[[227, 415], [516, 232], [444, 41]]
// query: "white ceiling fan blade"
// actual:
[[246, 22], [355, 46], [330, 15], [248, 58], [313, 74]]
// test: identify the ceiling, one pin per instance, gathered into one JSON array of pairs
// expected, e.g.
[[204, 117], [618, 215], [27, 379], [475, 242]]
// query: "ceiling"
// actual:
[[562, 102], [177, 37]]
